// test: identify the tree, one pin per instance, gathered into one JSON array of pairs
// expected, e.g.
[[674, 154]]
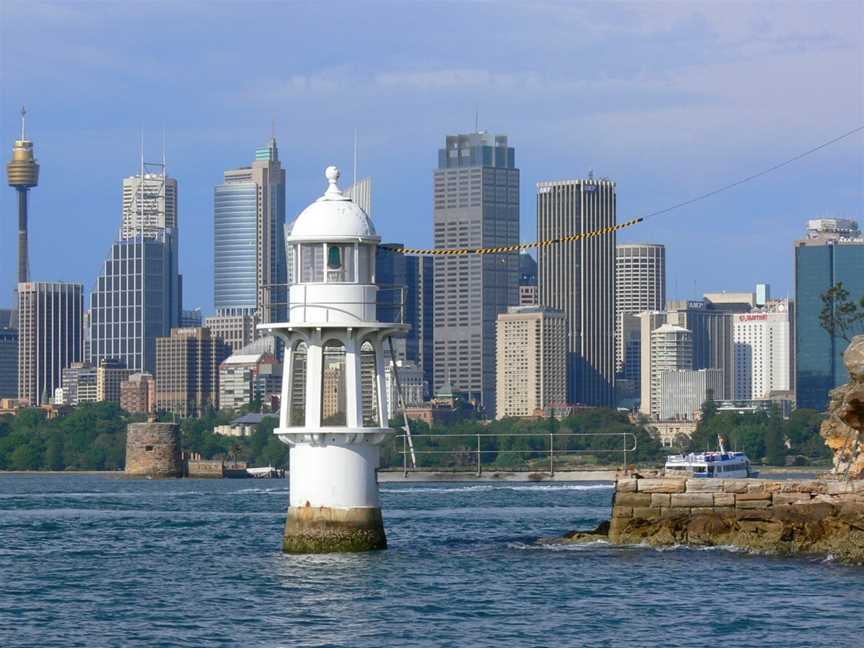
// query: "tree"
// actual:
[[841, 316], [775, 448]]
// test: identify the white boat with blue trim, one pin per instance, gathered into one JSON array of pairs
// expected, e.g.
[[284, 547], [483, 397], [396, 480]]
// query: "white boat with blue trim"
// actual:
[[722, 464]]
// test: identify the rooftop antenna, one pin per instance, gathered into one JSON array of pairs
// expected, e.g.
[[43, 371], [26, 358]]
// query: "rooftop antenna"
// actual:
[[23, 119], [273, 127], [355, 156]]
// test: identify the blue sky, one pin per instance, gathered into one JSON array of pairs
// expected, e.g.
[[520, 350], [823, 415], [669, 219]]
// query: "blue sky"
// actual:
[[668, 99]]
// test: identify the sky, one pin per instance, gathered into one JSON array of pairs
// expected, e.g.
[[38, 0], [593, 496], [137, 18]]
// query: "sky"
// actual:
[[667, 99]]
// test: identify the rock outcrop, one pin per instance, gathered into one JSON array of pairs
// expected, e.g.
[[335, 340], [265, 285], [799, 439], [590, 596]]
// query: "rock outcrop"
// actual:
[[786, 517], [843, 430]]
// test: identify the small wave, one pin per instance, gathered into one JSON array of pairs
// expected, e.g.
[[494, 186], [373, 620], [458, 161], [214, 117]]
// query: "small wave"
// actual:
[[260, 491], [557, 546]]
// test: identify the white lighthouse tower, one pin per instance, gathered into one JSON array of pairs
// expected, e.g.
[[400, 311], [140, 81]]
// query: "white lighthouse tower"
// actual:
[[333, 410]]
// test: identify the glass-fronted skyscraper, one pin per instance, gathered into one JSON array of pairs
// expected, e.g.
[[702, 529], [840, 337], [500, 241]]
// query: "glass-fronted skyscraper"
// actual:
[[249, 255], [137, 298], [832, 253], [138, 295], [413, 305], [476, 201]]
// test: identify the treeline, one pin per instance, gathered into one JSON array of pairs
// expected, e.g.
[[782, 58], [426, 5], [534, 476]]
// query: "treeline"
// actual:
[[765, 437], [93, 437], [520, 443]]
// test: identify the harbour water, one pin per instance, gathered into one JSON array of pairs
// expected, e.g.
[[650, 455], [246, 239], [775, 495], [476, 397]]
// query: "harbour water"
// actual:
[[101, 561]]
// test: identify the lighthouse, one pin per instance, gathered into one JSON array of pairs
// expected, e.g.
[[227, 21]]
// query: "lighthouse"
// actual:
[[333, 406]]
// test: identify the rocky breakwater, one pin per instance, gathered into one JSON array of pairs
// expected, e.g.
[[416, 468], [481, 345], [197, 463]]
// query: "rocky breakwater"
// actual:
[[843, 430], [785, 517]]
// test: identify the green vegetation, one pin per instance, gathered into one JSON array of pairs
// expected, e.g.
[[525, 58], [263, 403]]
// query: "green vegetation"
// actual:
[[765, 437], [93, 437], [841, 316], [501, 448]]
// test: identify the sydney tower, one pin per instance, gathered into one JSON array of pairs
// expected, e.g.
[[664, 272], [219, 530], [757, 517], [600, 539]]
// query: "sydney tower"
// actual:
[[23, 172]]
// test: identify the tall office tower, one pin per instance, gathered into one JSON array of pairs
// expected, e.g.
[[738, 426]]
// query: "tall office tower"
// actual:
[[578, 278], [360, 194], [131, 307], [405, 293], [528, 295], [247, 377], [249, 251], [79, 385], [23, 174], [640, 285], [762, 348], [671, 350], [711, 326], [683, 391], [832, 253], [138, 394], [191, 317], [50, 336], [532, 360], [110, 374], [235, 330], [476, 198], [8, 362], [149, 203], [187, 371], [649, 321]]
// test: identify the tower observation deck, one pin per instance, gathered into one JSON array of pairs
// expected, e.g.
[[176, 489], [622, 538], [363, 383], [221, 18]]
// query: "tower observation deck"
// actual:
[[23, 173]]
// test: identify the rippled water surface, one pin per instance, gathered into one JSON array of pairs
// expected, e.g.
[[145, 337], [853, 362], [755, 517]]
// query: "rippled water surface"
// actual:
[[101, 561]]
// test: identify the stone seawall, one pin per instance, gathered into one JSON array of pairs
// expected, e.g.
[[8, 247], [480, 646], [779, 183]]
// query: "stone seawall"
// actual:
[[786, 517], [153, 450]]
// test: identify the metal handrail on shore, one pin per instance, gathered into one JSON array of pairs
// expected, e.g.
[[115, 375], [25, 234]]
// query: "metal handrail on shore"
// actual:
[[478, 451]]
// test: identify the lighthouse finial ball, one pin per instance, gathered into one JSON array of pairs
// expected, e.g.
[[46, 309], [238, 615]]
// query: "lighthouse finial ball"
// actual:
[[332, 174]]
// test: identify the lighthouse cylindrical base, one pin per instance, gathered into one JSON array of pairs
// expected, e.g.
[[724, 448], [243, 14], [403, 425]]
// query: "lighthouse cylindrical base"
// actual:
[[324, 529]]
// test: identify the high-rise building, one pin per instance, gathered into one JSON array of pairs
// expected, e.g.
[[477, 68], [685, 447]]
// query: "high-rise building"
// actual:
[[191, 317], [832, 253], [640, 285], [237, 330], [360, 194], [405, 294], [130, 307], [8, 353], [247, 377], [671, 350], [532, 360], [683, 391], [412, 383], [476, 199], [138, 394], [762, 351], [528, 293], [79, 385], [649, 321], [149, 203], [23, 175], [578, 278], [50, 336], [110, 374], [187, 371], [711, 326], [249, 251]]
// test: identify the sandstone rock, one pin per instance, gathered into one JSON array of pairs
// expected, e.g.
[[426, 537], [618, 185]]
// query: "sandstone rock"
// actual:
[[704, 485], [625, 486], [632, 499], [692, 499], [724, 499], [661, 485], [660, 499], [843, 430]]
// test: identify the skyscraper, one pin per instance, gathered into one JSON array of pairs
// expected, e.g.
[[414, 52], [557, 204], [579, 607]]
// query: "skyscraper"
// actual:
[[249, 251], [23, 173], [187, 371], [8, 362], [578, 278], [832, 253], [762, 351], [476, 199], [50, 336], [405, 293], [671, 350], [532, 360], [640, 285], [137, 298]]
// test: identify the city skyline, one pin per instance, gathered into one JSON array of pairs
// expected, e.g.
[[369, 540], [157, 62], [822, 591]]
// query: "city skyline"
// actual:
[[626, 123]]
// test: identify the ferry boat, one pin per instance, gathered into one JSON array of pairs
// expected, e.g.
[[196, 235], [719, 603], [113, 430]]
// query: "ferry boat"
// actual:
[[711, 464]]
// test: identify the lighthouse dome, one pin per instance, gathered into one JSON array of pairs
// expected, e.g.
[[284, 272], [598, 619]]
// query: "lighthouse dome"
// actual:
[[333, 216]]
